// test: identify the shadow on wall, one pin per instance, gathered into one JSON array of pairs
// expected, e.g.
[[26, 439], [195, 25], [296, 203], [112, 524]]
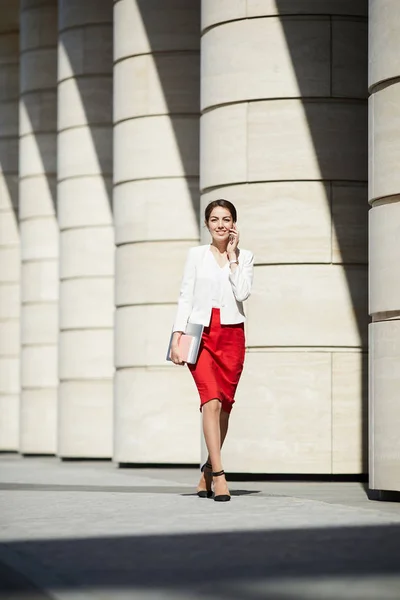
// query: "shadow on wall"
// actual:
[[9, 180], [173, 32], [338, 125], [91, 68], [9, 97], [287, 564], [39, 111]]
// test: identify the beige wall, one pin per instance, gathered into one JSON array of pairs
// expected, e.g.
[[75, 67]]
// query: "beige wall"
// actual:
[[9, 229], [38, 225], [384, 195], [156, 203], [281, 87], [86, 228], [283, 136]]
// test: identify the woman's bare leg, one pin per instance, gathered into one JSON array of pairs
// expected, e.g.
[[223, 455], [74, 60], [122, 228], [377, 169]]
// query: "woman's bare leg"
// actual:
[[205, 477], [223, 428], [215, 427], [223, 425]]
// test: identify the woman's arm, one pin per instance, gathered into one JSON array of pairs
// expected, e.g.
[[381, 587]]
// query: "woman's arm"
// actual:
[[241, 276], [185, 300]]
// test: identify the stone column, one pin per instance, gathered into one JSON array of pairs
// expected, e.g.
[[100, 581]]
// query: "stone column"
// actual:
[[86, 231], [39, 228], [283, 136], [156, 121], [9, 230], [384, 197]]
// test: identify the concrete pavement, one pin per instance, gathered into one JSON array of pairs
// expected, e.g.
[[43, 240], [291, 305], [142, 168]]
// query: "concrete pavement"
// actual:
[[89, 530]]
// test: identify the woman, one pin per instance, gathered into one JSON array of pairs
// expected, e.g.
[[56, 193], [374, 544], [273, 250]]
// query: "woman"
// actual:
[[217, 279]]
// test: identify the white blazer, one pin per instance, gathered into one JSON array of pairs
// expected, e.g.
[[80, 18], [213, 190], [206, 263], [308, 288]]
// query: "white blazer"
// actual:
[[195, 298]]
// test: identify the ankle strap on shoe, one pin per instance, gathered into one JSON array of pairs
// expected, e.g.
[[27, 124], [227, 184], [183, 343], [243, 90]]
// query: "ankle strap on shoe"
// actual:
[[206, 465], [218, 473]]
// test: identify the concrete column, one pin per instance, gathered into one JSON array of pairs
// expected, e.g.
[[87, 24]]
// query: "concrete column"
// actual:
[[283, 136], [39, 228], [86, 232], [9, 230], [156, 201], [384, 197]]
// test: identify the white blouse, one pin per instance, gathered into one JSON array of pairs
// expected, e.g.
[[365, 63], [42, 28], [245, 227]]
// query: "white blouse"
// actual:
[[195, 301], [218, 275]]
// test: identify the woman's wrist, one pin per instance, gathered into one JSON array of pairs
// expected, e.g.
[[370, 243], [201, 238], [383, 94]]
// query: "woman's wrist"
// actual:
[[232, 256]]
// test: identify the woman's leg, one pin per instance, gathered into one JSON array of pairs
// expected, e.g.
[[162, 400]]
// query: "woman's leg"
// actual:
[[223, 425], [212, 434], [223, 428], [205, 478]]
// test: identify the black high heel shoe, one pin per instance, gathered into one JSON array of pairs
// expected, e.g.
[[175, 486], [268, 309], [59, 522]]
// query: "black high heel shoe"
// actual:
[[221, 497], [205, 493]]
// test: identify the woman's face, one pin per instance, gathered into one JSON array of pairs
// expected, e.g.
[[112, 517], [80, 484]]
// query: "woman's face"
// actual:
[[219, 224]]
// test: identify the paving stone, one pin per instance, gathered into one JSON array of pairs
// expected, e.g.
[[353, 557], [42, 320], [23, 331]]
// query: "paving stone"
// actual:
[[90, 530]]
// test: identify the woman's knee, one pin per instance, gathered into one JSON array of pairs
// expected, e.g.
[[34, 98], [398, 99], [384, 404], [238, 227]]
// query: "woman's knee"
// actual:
[[212, 406]]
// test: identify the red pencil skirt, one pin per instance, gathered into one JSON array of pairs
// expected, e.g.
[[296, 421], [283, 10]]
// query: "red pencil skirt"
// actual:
[[220, 362]]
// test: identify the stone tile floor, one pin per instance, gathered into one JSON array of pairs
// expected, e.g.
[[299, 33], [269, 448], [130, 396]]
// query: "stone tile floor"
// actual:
[[72, 530]]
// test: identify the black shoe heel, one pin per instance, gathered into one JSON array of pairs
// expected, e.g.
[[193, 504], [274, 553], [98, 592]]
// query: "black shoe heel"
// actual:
[[221, 497], [205, 493]]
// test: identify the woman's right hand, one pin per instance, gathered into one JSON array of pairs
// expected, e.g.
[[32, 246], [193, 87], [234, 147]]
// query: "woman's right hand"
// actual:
[[175, 354]]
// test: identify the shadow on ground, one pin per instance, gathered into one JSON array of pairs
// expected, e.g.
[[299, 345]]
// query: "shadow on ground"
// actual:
[[115, 489], [246, 565]]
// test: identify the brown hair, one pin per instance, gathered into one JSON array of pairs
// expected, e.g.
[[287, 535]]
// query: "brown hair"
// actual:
[[224, 204]]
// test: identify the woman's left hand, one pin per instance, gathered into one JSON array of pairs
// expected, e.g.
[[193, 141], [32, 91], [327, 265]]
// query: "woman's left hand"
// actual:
[[233, 240]]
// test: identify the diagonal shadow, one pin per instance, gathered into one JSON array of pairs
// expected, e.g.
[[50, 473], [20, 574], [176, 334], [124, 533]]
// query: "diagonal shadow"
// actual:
[[9, 173], [342, 156], [94, 84], [179, 74], [274, 564], [45, 138], [38, 93], [9, 96], [9, 224], [44, 132]]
